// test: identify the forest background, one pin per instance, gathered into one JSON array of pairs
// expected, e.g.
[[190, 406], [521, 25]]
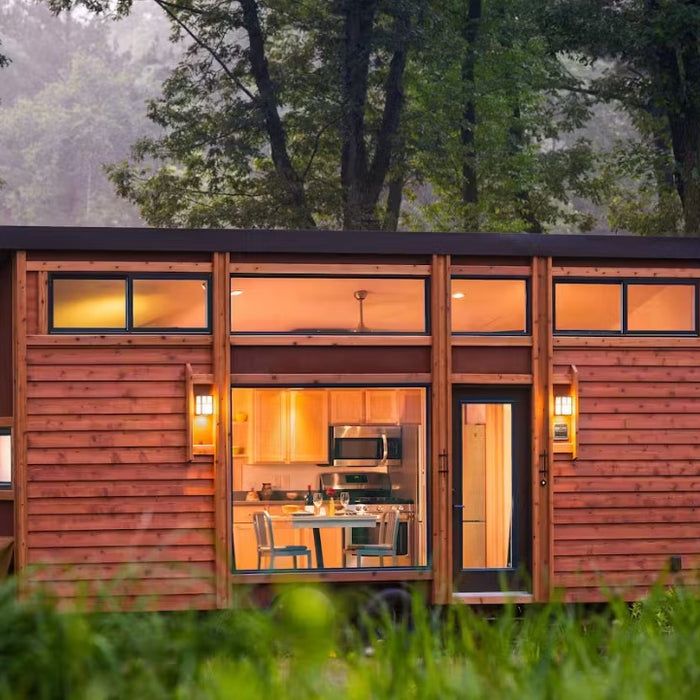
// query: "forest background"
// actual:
[[451, 115]]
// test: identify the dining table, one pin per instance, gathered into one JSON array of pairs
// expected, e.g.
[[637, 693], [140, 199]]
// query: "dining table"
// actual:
[[316, 522]]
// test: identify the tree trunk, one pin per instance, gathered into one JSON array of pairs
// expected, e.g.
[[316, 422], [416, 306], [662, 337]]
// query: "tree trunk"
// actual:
[[676, 72], [359, 25], [393, 204], [362, 181], [470, 193], [268, 103]]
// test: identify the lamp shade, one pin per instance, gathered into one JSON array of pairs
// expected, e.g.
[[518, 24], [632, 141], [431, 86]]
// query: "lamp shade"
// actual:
[[204, 405], [563, 405]]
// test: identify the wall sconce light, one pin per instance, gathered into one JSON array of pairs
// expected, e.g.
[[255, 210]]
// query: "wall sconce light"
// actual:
[[563, 405], [204, 405], [565, 419]]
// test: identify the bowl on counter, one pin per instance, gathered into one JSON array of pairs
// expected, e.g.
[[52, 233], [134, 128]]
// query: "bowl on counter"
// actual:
[[291, 495]]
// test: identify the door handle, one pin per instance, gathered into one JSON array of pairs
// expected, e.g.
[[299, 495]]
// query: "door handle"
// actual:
[[459, 506]]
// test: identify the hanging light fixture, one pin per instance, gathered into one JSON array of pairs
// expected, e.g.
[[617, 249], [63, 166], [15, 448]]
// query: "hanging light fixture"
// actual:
[[361, 295]]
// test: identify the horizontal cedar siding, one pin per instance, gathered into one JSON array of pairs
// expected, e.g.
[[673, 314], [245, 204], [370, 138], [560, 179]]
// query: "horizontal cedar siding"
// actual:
[[116, 513], [631, 500]]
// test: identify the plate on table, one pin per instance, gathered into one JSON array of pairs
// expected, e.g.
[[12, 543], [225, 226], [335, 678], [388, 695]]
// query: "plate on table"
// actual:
[[301, 513]]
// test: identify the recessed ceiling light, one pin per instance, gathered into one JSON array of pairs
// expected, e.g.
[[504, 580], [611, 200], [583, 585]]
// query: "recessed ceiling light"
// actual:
[[236, 292], [458, 295]]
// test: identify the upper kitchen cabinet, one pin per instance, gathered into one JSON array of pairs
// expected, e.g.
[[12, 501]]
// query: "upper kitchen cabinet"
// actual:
[[347, 406], [290, 426], [381, 406], [377, 406]]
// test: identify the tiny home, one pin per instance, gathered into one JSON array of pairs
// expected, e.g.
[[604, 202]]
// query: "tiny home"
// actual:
[[186, 414]]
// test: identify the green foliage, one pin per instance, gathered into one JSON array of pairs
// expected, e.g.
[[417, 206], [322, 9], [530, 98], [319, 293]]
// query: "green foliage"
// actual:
[[647, 650], [527, 177], [653, 56]]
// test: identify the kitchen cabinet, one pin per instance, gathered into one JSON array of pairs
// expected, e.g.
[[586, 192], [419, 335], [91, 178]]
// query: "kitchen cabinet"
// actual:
[[360, 406], [290, 426], [381, 406], [347, 406], [411, 406], [331, 545], [308, 435], [271, 426]]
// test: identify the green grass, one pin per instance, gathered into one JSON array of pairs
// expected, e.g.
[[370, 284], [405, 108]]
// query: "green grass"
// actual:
[[305, 648]]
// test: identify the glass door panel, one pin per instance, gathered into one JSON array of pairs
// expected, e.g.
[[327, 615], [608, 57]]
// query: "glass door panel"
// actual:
[[491, 491]]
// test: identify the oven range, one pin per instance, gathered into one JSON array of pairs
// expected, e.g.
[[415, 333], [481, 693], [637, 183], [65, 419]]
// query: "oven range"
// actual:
[[374, 490]]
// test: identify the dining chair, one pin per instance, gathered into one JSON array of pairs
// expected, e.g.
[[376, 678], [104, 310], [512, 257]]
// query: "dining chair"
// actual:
[[262, 524], [386, 545]]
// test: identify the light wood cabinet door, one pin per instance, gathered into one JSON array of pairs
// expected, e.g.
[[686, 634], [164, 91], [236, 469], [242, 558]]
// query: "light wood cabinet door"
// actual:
[[411, 406], [347, 406], [381, 406], [245, 546], [270, 434], [308, 427], [331, 545]]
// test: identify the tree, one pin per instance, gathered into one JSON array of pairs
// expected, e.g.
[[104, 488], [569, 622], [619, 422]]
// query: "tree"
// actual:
[[280, 113], [71, 103], [3, 59], [654, 50], [491, 119]]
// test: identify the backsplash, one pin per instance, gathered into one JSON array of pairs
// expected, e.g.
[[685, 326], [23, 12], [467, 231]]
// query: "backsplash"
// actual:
[[282, 477]]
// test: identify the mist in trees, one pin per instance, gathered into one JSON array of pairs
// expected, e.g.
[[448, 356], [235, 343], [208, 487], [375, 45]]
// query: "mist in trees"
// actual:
[[72, 99], [491, 115]]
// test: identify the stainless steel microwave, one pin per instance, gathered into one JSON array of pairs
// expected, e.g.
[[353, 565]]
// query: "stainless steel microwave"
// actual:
[[365, 445]]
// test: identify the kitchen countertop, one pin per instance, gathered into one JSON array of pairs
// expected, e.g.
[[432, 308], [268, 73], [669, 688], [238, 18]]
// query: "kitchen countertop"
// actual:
[[275, 502]]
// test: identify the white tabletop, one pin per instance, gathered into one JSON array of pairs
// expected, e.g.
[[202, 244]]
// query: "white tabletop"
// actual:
[[308, 521]]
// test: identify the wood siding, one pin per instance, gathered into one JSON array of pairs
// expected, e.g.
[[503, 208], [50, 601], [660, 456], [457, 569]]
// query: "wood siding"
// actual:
[[113, 505], [631, 500]]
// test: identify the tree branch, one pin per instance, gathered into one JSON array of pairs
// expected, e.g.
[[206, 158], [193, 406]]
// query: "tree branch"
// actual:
[[166, 7]]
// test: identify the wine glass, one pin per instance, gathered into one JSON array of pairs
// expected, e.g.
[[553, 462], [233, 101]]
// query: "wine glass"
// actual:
[[318, 500], [344, 499]]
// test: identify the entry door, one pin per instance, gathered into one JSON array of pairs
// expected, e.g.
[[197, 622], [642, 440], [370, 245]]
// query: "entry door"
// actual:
[[491, 490]]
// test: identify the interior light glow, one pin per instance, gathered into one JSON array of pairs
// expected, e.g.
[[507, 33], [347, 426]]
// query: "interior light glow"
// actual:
[[236, 292], [458, 295], [204, 405], [563, 405]]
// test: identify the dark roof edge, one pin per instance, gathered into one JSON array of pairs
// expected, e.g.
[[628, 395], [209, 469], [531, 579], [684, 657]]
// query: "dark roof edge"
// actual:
[[345, 242]]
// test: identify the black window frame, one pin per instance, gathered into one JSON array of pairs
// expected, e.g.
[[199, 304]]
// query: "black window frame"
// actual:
[[334, 332], [528, 306], [129, 278], [625, 283]]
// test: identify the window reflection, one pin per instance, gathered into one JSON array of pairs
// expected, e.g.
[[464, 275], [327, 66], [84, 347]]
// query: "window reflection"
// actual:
[[88, 303], [588, 307], [661, 307], [489, 305], [332, 305], [170, 303], [129, 303]]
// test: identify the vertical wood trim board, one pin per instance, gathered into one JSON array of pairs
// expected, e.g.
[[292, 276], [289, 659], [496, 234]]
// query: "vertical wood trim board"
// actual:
[[222, 472], [541, 442], [19, 350], [441, 457], [43, 302]]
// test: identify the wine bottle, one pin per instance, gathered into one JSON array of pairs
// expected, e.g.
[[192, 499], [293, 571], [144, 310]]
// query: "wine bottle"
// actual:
[[309, 500]]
